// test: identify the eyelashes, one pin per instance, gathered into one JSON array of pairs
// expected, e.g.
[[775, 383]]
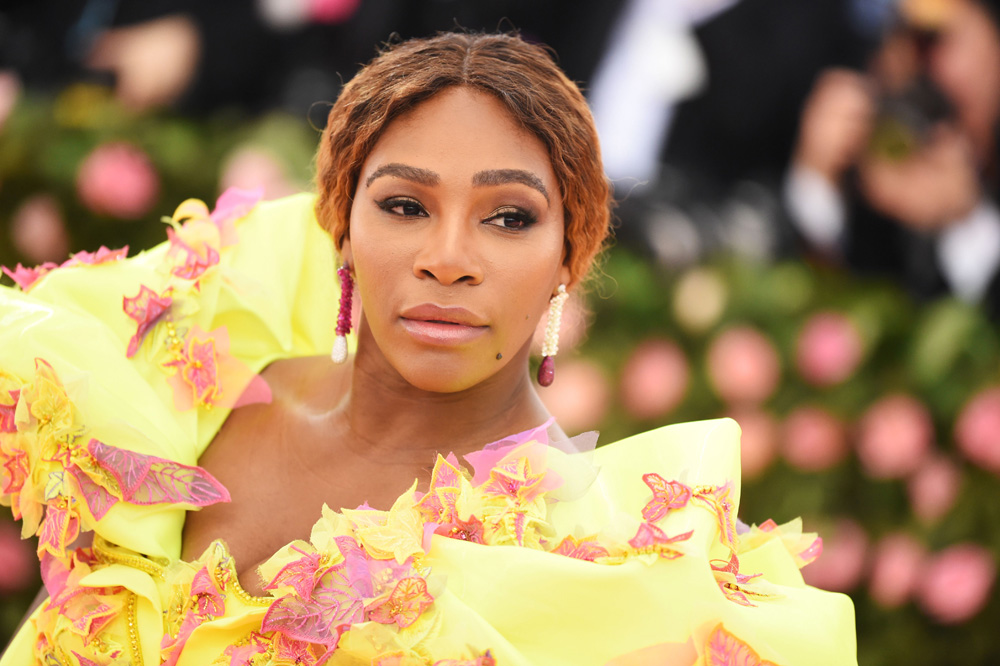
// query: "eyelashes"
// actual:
[[512, 218], [402, 206]]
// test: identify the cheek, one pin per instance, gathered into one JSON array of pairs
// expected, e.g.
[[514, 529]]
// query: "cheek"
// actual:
[[968, 67], [527, 286], [377, 264]]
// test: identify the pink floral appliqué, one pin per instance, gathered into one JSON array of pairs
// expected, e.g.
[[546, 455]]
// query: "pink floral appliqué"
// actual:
[[301, 575], [197, 236], [102, 256], [243, 655], [810, 554], [192, 260], [61, 526], [205, 374], [651, 539], [86, 610], [471, 530], [407, 601], [583, 549], [438, 505], [671, 495], [198, 366], [329, 609], [717, 499], [731, 581], [207, 602], [146, 308], [25, 277], [143, 479], [231, 205], [514, 479], [725, 649], [7, 412], [667, 495]]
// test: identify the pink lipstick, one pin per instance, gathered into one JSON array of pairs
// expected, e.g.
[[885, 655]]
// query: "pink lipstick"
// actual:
[[437, 325]]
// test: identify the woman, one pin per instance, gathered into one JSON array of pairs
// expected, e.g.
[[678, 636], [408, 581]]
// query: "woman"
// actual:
[[460, 182]]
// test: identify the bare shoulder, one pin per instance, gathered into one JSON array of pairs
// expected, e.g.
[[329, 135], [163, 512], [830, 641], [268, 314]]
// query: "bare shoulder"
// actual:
[[258, 455], [313, 380], [299, 386]]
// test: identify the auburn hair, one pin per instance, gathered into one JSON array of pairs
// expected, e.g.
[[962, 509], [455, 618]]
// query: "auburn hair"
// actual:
[[522, 76]]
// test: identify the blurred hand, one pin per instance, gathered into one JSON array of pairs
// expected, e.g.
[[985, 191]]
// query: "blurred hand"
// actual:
[[836, 123], [153, 62], [935, 186]]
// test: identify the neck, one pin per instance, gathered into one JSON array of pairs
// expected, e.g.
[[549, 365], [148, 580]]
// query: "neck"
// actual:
[[392, 419]]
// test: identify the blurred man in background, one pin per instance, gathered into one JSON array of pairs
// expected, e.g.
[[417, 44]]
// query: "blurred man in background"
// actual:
[[895, 169]]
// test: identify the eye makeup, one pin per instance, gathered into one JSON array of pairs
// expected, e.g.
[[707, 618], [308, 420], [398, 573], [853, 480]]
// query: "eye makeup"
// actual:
[[511, 218]]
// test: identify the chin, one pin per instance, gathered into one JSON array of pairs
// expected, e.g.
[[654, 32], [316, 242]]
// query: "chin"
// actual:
[[438, 378], [447, 372]]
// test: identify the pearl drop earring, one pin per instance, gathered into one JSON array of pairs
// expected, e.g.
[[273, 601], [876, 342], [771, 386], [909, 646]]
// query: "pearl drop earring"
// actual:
[[550, 347]]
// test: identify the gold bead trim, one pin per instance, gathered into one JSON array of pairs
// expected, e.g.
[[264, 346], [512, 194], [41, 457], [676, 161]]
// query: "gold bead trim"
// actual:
[[244, 596], [227, 579], [106, 555], [133, 629]]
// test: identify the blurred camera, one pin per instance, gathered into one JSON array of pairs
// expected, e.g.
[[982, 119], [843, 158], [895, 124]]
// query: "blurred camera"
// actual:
[[906, 119], [914, 104]]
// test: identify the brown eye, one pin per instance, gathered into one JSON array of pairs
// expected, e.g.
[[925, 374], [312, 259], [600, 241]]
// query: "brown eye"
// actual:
[[511, 218], [402, 207]]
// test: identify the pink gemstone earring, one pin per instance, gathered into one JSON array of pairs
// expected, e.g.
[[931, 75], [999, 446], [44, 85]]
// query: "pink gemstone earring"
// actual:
[[550, 347], [339, 354]]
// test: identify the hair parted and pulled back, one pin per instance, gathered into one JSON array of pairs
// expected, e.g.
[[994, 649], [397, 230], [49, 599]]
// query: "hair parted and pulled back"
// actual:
[[522, 76]]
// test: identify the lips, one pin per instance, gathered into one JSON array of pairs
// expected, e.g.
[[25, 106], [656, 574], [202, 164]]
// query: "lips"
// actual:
[[437, 325]]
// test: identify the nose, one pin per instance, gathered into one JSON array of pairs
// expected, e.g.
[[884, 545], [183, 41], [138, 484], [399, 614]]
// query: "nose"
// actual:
[[447, 253]]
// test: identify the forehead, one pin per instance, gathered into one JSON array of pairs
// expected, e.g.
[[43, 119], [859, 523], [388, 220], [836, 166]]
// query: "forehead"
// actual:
[[457, 133]]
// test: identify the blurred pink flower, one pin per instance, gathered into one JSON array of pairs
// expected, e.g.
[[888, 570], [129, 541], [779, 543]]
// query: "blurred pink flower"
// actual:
[[38, 231], [829, 349], [250, 168], [813, 439], [17, 560], [117, 179], [572, 327], [655, 379], [759, 441], [743, 366], [934, 488], [956, 583], [896, 567], [10, 91], [840, 566], [895, 435], [977, 430], [579, 396], [332, 11]]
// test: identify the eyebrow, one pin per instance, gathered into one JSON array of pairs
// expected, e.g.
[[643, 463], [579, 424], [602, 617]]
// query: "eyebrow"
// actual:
[[504, 176], [486, 178], [416, 174]]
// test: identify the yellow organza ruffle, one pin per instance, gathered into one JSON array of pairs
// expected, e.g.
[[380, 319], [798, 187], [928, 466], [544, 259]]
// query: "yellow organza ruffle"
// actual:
[[521, 554]]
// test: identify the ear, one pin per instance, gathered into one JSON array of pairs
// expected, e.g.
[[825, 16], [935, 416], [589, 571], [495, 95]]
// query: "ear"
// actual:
[[565, 277], [346, 256], [565, 274]]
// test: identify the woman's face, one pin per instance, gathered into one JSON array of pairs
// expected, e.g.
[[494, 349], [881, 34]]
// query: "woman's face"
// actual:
[[965, 63], [456, 241]]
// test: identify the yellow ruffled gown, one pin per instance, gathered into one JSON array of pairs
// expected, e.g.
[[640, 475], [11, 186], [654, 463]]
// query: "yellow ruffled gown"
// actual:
[[115, 375]]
